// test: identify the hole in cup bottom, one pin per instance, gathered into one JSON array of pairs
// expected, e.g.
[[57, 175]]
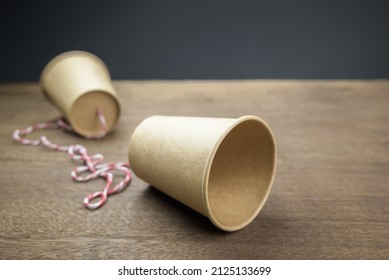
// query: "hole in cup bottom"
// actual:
[[241, 175]]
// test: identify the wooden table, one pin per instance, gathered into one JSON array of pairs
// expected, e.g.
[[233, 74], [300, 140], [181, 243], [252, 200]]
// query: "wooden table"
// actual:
[[330, 198]]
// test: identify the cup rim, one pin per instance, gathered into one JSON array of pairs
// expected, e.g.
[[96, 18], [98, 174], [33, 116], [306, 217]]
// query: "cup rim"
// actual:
[[69, 54], [208, 166]]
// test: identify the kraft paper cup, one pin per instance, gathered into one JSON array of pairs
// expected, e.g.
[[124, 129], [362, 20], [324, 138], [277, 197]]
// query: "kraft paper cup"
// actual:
[[220, 167], [79, 83]]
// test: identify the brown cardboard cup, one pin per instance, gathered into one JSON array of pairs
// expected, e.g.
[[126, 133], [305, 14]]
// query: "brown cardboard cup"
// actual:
[[79, 83], [220, 167]]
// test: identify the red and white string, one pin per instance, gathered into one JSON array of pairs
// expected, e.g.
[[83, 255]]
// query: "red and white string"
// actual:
[[91, 163]]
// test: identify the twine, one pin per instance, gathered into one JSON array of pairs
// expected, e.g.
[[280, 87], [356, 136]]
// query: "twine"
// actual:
[[91, 163]]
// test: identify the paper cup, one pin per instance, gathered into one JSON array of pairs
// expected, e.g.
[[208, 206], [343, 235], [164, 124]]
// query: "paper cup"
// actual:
[[79, 83], [220, 167]]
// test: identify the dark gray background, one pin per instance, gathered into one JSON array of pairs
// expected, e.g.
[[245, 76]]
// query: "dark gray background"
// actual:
[[200, 39]]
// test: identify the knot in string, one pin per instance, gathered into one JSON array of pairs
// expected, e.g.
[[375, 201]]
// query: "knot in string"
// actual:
[[91, 163]]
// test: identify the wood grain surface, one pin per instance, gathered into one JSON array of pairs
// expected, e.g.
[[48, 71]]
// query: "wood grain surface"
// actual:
[[330, 198]]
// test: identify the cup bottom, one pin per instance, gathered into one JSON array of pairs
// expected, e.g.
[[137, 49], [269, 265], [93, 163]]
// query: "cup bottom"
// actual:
[[83, 113]]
